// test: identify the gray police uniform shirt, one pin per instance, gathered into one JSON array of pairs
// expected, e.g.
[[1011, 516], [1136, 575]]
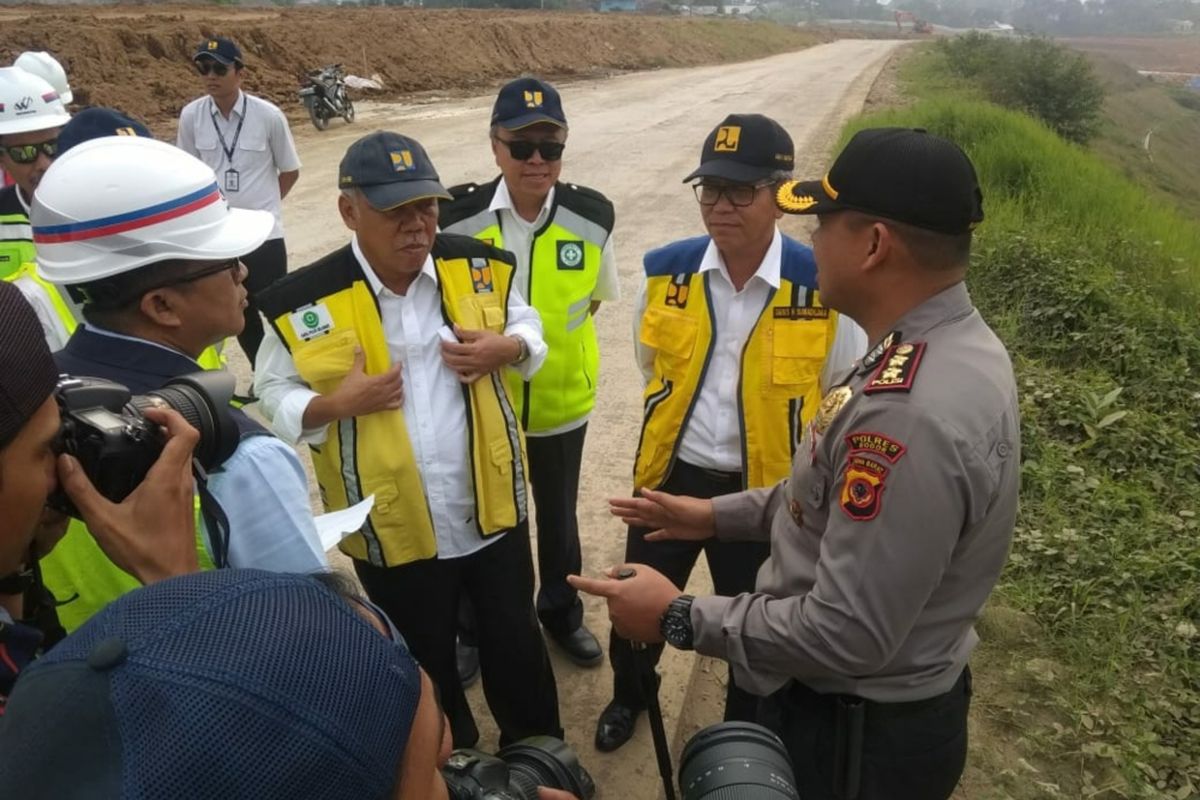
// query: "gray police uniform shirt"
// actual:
[[893, 527]]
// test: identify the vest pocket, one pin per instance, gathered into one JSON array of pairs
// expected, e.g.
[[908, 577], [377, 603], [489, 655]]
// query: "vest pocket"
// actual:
[[482, 312], [796, 356], [673, 338], [323, 363], [501, 455]]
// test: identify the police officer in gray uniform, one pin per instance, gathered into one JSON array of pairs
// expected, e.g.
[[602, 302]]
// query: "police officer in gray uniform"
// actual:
[[894, 525]]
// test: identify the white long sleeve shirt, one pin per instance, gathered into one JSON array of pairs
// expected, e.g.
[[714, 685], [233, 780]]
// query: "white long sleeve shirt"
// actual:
[[712, 437], [435, 413]]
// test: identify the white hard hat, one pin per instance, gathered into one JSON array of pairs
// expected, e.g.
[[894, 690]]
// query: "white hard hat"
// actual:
[[117, 203], [28, 103], [46, 67]]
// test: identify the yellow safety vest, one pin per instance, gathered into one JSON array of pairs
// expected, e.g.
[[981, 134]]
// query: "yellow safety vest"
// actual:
[[16, 234], [564, 264], [779, 386], [324, 311]]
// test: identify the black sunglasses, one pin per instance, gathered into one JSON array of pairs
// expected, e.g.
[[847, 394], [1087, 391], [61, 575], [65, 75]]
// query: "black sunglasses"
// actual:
[[523, 150], [232, 265], [207, 65], [739, 195], [28, 153]]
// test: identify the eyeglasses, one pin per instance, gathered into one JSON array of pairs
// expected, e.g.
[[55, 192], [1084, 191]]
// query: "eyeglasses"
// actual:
[[739, 195], [523, 150], [207, 65], [28, 153], [232, 265]]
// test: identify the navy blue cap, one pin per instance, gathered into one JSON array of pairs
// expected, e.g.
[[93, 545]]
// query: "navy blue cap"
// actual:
[[220, 49], [391, 170], [229, 683], [95, 122], [745, 148], [525, 102]]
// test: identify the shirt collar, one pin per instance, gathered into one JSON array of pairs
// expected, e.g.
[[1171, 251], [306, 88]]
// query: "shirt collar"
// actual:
[[21, 199], [238, 106], [502, 201], [949, 305], [377, 287], [114, 335], [768, 269]]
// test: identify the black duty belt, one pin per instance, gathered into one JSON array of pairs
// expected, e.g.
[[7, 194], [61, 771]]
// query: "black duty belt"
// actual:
[[711, 474]]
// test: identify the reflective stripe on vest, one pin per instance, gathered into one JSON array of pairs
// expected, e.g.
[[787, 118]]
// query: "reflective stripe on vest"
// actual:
[[779, 386], [372, 454], [564, 264], [16, 243], [77, 568]]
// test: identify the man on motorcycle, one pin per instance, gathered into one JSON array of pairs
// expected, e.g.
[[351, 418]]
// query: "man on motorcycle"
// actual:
[[325, 97], [247, 142]]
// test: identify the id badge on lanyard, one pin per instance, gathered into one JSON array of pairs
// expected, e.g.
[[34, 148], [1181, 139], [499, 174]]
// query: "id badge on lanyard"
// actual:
[[232, 179]]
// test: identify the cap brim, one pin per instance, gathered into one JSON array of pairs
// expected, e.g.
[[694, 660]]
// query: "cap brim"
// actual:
[[805, 197], [38, 122], [729, 171], [386, 196], [525, 120]]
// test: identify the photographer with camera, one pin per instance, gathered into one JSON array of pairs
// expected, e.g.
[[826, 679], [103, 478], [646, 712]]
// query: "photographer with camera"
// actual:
[[150, 535], [139, 233], [250, 685], [896, 521]]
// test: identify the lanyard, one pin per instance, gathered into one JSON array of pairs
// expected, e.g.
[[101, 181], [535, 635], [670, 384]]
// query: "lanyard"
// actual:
[[228, 149]]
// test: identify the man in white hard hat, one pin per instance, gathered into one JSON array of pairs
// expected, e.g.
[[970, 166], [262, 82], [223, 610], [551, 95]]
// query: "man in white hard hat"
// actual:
[[247, 142], [46, 67], [31, 115], [156, 263]]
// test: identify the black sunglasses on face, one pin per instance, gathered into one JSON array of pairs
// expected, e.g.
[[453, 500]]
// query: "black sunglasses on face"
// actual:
[[28, 153], [523, 150], [207, 65], [739, 195], [232, 265]]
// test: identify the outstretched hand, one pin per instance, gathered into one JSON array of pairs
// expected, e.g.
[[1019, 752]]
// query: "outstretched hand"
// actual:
[[669, 516], [635, 604]]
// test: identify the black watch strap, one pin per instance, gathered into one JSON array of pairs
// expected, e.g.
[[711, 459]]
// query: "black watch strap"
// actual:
[[676, 623]]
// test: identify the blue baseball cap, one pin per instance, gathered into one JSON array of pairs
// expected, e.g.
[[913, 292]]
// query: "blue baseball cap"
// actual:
[[390, 170], [230, 683], [95, 122], [219, 48], [525, 102]]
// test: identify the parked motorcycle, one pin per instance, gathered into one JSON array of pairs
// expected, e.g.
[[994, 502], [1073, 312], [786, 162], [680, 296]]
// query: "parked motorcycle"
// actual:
[[325, 96]]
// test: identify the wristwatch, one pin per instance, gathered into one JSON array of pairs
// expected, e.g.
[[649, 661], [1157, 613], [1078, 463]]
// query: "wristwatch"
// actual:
[[676, 623], [524, 351]]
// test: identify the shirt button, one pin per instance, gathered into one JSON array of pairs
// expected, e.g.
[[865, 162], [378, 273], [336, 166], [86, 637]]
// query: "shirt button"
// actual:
[[816, 493], [1003, 449]]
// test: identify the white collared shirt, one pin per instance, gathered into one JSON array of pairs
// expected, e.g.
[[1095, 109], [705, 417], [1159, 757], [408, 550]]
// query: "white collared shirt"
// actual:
[[434, 410], [712, 437], [518, 240], [264, 149]]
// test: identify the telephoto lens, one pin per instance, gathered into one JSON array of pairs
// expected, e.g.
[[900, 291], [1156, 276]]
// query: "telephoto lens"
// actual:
[[516, 772], [736, 761]]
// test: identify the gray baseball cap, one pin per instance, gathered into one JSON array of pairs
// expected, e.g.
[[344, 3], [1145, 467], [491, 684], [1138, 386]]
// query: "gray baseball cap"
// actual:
[[391, 170]]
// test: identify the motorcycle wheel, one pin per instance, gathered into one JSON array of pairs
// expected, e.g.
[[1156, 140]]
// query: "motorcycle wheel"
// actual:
[[319, 122], [348, 110]]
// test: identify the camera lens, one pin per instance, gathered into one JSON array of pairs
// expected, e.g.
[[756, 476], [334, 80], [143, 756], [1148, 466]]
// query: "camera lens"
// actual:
[[546, 761], [736, 760], [203, 400]]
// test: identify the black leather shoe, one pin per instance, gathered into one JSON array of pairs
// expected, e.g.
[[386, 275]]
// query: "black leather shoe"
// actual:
[[580, 646], [615, 727], [468, 663]]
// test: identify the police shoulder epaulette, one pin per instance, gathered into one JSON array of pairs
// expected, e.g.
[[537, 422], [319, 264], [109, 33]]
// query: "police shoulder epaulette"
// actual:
[[897, 369]]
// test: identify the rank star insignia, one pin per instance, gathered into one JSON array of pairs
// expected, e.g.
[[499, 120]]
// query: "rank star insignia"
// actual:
[[897, 370], [876, 352], [830, 406]]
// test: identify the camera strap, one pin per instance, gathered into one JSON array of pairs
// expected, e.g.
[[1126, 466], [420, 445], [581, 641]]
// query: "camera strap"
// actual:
[[214, 518]]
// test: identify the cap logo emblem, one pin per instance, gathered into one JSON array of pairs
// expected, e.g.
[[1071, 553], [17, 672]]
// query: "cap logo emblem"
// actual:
[[23, 103], [212, 44], [533, 99], [401, 160], [728, 138], [788, 201], [126, 132]]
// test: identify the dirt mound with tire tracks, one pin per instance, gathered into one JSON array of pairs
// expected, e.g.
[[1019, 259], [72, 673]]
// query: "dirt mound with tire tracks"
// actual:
[[138, 61]]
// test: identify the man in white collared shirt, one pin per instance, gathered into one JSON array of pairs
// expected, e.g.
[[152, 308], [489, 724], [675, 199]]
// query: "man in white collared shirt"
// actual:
[[561, 236], [735, 347], [385, 357], [247, 142]]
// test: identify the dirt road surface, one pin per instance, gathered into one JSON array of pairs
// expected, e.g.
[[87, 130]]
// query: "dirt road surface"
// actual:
[[633, 137]]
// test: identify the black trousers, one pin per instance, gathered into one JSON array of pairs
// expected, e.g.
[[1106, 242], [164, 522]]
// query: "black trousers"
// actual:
[[734, 567], [554, 463], [422, 600], [905, 751], [265, 265]]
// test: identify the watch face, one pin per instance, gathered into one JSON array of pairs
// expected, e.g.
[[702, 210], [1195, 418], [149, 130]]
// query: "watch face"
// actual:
[[677, 623]]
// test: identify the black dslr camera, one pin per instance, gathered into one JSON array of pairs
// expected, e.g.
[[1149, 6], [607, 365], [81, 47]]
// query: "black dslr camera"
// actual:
[[103, 426], [516, 771]]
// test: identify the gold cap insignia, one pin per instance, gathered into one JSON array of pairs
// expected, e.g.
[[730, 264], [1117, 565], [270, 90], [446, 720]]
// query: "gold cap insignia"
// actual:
[[728, 138], [788, 201]]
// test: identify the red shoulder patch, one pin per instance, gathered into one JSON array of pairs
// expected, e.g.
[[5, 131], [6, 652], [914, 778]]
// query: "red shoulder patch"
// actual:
[[877, 443], [862, 489], [897, 369]]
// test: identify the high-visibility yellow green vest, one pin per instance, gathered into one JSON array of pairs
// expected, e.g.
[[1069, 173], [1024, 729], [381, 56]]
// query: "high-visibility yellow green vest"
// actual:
[[16, 234], [779, 385], [326, 310], [564, 263]]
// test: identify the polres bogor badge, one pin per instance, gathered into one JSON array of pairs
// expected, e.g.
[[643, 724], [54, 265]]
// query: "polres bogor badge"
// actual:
[[832, 403]]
